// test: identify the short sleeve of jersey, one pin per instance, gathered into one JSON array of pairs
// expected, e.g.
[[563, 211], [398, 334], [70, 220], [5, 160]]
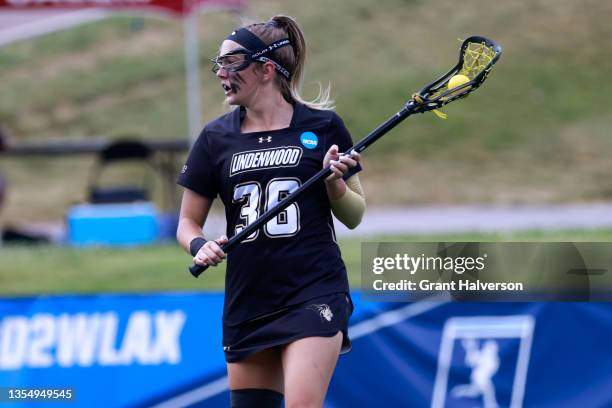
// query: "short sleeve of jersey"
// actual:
[[198, 173], [340, 136]]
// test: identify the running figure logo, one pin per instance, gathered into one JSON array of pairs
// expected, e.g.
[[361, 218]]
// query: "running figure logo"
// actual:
[[484, 362], [323, 310]]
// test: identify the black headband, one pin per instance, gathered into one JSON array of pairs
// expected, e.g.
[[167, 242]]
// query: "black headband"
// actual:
[[258, 49], [247, 39]]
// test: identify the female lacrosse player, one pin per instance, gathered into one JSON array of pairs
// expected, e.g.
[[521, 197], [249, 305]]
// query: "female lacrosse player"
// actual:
[[287, 303]]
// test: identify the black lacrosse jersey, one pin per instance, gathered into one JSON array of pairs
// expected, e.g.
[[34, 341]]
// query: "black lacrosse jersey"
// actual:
[[294, 257]]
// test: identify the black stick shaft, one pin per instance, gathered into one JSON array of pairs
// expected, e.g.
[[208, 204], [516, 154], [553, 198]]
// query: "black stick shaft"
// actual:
[[410, 108]]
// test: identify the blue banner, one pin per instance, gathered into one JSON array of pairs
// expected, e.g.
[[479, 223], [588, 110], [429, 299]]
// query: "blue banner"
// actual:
[[165, 350], [479, 355], [113, 350]]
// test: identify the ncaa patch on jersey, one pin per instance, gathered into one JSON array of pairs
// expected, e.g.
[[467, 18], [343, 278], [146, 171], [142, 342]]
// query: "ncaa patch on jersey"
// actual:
[[309, 140]]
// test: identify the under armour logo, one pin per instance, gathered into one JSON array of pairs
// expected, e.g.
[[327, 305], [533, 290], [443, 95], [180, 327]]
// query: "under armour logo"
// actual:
[[265, 139], [323, 310]]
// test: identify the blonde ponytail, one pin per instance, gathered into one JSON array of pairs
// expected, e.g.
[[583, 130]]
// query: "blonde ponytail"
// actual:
[[291, 58]]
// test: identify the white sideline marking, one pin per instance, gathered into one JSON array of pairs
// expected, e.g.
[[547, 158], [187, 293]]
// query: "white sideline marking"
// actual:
[[459, 219], [356, 331], [451, 219]]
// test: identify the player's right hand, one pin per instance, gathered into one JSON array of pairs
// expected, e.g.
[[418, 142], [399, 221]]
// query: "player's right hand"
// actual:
[[211, 252]]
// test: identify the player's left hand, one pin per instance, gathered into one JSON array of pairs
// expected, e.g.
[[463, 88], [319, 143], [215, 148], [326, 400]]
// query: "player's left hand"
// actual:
[[340, 163], [211, 252]]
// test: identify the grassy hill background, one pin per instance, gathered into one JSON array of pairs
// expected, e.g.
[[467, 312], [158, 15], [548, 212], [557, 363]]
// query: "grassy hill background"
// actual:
[[537, 132]]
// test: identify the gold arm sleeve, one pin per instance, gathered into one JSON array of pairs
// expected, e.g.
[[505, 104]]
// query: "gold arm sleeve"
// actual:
[[350, 207]]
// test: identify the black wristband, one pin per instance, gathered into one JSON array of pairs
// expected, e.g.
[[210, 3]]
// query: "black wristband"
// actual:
[[195, 245]]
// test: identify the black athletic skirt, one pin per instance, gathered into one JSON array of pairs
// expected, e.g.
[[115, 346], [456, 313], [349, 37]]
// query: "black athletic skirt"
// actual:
[[322, 316]]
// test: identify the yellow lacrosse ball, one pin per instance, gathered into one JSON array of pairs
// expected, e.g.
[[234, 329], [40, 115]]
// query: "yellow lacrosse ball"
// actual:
[[458, 80]]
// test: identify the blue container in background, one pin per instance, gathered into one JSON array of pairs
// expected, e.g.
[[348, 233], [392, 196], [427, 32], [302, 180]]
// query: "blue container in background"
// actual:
[[113, 224]]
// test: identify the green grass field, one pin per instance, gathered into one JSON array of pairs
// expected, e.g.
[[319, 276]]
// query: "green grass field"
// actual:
[[47, 270], [536, 132]]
